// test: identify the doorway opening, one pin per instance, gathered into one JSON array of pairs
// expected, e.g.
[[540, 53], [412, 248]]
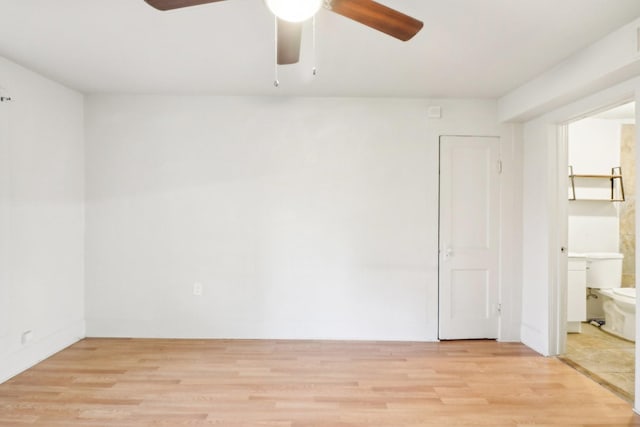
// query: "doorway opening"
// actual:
[[601, 234]]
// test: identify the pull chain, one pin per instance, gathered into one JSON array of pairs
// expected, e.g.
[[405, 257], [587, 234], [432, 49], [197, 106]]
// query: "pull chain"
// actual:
[[276, 82], [314, 70]]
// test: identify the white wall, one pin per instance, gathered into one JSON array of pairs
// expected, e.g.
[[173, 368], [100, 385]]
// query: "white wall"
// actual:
[[594, 148], [41, 218], [536, 272], [302, 218]]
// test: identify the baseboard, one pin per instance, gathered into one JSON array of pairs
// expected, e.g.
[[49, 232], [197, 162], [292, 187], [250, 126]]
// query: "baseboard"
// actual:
[[533, 338], [35, 352]]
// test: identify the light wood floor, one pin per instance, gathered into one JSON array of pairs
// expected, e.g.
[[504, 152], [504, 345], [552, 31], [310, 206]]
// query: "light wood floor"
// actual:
[[127, 382]]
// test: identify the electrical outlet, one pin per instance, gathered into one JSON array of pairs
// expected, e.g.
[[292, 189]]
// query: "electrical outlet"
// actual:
[[197, 289]]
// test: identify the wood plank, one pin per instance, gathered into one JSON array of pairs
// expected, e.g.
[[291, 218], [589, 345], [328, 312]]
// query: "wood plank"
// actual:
[[136, 382]]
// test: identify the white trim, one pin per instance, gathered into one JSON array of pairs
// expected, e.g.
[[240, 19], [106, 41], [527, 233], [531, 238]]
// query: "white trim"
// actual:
[[555, 295], [561, 241]]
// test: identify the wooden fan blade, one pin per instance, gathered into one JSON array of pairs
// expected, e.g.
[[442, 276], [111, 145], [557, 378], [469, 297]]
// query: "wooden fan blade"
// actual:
[[289, 37], [378, 17], [177, 4]]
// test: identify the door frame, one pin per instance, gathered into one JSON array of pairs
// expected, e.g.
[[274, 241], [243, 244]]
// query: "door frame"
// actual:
[[559, 232], [558, 121], [540, 323], [558, 302]]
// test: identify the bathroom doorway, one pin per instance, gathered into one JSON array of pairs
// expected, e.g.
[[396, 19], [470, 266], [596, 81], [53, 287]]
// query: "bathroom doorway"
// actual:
[[601, 276]]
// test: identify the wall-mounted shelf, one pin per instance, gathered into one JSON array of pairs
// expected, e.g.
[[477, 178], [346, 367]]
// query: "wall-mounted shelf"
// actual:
[[615, 180]]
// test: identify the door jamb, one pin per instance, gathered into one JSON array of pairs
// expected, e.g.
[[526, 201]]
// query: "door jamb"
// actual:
[[558, 300]]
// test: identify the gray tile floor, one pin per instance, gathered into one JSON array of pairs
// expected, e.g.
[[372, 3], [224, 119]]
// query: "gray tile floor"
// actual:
[[605, 358]]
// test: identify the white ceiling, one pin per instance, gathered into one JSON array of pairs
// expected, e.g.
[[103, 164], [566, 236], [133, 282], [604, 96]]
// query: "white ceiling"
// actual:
[[467, 48]]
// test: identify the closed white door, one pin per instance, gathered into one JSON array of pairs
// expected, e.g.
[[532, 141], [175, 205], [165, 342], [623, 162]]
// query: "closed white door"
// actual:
[[469, 237]]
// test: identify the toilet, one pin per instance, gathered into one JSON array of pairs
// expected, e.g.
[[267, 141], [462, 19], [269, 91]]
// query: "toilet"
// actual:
[[604, 275], [620, 312]]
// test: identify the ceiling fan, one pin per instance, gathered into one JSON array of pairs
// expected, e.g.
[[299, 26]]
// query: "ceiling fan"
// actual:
[[289, 21]]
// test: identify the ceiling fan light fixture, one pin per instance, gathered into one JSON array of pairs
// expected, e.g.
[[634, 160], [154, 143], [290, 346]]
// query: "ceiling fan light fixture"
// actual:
[[294, 10]]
